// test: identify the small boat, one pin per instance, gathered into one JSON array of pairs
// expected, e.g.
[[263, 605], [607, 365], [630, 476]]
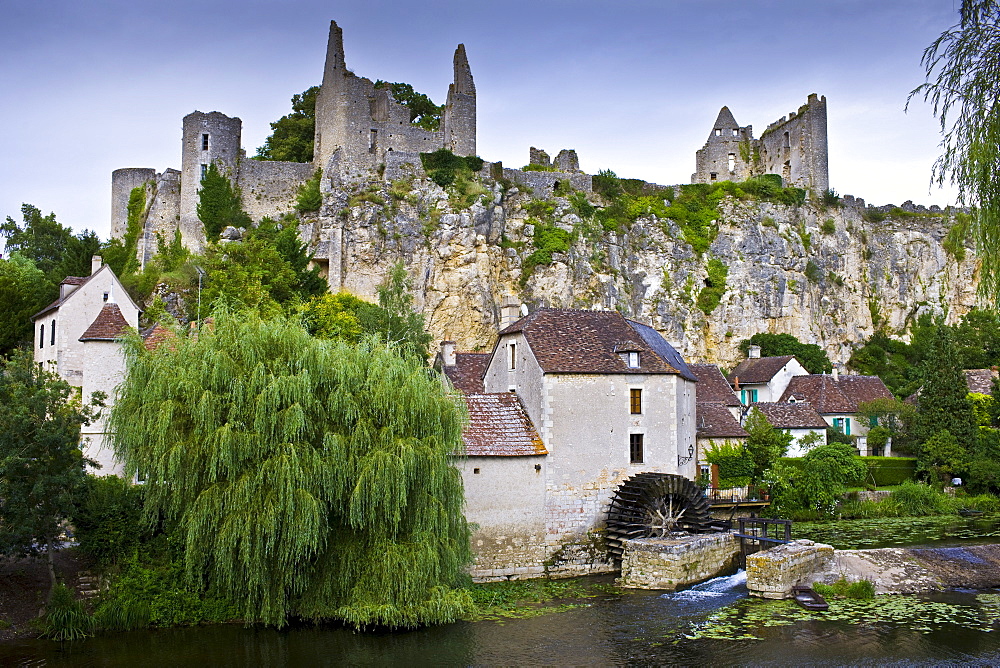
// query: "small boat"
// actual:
[[969, 512], [809, 599]]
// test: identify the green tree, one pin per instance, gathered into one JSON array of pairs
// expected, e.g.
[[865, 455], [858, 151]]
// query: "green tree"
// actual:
[[220, 204], [338, 316], [396, 318], [423, 112], [292, 136], [122, 254], [764, 443], [810, 355], [309, 199], [248, 274], [41, 239], [826, 472], [961, 86], [24, 290], [307, 477], [941, 456], [977, 339], [284, 236], [42, 469], [943, 402]]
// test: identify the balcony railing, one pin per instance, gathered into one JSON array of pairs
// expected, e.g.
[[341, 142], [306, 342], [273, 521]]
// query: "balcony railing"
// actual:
[[735, 495]]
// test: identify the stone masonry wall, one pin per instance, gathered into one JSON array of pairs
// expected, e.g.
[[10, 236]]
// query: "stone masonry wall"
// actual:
[[772, 573], [270, 187], [669, 563]]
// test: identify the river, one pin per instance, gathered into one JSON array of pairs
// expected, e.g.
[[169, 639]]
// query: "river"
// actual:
[[713, 623]]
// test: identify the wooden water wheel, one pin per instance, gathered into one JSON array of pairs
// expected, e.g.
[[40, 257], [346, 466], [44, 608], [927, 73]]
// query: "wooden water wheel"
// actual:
[[653, 505]]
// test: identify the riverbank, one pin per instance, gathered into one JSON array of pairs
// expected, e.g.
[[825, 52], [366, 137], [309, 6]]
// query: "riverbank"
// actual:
[[24, 584]]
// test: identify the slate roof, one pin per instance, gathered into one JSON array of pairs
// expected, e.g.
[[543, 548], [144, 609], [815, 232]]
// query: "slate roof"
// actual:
[[791, 416], [980, 380], [576, 341], [107, 326], [499, 427], [715, 420], [467, 374], [712, 385], [758, 370]]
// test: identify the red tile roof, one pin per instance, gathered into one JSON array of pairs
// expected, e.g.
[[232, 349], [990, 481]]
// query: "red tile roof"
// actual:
[[107, 326], [980, 380], [864, 388], [820, 390], [499, 427], [716, 421], [757, 370], [154, 337], [575, 341], [467, 374], [74, 280], [792, 416], [712, 385]]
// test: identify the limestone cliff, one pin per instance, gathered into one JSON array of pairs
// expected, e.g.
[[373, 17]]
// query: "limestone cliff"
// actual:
[[821, 273]]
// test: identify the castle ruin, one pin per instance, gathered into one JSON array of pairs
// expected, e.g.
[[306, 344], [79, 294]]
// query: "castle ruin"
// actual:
[[795, 147]]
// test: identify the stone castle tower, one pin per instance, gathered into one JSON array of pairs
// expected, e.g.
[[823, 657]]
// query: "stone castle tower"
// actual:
[[794, 147], [360, 124]]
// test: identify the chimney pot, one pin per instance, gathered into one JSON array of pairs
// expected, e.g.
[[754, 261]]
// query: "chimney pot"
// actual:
[[95, 263], [753, 352], [510, 310], [448, 353]]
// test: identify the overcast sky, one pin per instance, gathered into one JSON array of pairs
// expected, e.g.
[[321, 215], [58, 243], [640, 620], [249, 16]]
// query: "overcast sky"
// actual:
[[632, 85]]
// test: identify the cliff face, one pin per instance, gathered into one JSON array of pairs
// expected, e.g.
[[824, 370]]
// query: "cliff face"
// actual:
[[820, 273]]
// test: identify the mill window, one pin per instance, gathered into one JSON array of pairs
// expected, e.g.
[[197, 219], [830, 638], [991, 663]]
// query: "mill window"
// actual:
[[41, 336], [635, 401], [106, 296], [52, 334], [204, 142], [635, 449], [512, 356]]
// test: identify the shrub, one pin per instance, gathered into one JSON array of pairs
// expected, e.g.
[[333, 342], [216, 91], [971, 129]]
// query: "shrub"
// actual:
[[66, 618], [873, 215], [734, 462], [308, 198], [958, 236], [831, 198], [917, 500], [860, 589], [715, 286], [828, 226], [108, 522], [443, 166], [548, 239]]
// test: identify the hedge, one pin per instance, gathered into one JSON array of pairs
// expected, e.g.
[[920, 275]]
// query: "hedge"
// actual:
[[886, 471]]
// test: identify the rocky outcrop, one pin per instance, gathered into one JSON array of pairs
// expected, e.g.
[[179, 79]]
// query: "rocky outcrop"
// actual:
[[822, 273]]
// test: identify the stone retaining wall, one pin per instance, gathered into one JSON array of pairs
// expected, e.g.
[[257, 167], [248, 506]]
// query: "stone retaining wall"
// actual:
[[669, 563], [772, 573]]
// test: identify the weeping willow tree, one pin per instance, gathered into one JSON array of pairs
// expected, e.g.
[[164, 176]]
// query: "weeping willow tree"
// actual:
[[309, 478], [963, 86]]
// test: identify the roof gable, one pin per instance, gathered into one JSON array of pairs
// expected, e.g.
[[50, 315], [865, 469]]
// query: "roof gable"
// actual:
[[80, 281], [759, 370], [576, 341], [712, 385], [820, 390]]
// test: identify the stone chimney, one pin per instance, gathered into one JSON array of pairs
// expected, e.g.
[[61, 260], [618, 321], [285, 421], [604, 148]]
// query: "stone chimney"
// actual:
[[836, 372], [753, 352], [95, 263], [448, 353], [510, 311]]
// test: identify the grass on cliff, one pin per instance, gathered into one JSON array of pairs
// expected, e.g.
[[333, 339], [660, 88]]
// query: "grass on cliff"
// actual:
[[694, 207]]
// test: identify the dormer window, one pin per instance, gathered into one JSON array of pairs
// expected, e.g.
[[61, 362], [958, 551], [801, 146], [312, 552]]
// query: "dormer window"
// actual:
[[792, 399], [632, 360]]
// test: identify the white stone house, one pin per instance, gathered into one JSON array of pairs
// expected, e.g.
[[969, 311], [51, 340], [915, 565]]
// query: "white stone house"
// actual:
[[798, 419], [566, 406], [764, 379], [77, 334], [836, 398]]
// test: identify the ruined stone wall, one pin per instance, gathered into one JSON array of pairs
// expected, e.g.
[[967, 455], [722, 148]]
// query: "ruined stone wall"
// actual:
[[669, 563], [270, 187], [722, 158], [123, 181], [796, 147], [459, 119], [543, 184], [163, 214]]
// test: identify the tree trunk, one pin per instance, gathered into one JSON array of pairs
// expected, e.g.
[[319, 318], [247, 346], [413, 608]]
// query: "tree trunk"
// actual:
[[52, 569]]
